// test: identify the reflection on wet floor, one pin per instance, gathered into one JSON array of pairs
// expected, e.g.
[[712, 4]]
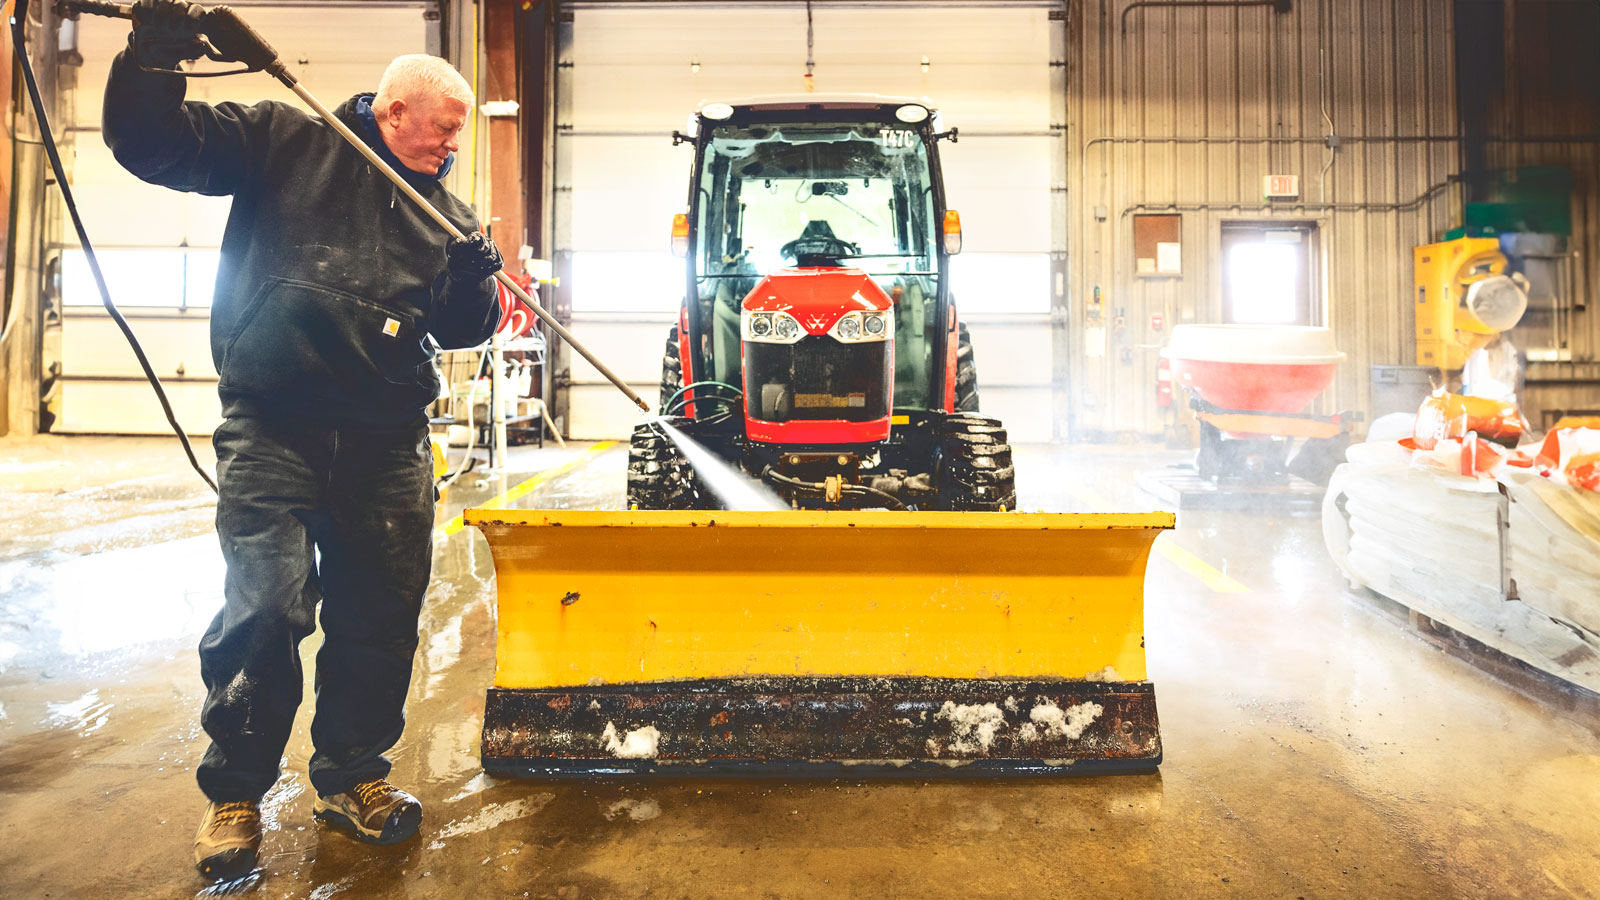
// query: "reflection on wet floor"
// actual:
[[1315, 746]]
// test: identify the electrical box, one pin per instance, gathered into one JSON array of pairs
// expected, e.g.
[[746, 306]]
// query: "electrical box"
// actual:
[[1437, 296]]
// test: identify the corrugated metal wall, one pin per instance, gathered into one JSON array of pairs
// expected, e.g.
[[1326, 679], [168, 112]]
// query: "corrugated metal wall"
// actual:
[[1550, 88], [1263, 89]]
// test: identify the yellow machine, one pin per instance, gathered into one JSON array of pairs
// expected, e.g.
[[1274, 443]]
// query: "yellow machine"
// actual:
[[647, 642], [1461, 299]]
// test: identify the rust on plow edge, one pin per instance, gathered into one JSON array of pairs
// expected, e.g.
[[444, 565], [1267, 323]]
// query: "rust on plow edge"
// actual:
[[856, 726]]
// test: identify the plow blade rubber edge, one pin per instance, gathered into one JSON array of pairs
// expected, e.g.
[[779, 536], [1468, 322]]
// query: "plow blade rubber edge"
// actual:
[[687, 642]]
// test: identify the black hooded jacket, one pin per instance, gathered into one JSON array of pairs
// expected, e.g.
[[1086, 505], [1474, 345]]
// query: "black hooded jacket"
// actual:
[[331, 279]]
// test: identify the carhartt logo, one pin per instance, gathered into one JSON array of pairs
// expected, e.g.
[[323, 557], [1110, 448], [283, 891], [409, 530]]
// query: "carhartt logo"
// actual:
[[391, 327]]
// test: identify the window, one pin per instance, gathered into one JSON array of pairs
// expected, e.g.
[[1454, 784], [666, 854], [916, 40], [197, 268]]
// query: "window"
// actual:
[[627, 282], [1000, 283], [161, 278], [1269, 274]]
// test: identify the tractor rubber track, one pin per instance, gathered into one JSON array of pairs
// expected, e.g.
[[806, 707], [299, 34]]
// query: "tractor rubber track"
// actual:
[[975, 468], [659, 477]]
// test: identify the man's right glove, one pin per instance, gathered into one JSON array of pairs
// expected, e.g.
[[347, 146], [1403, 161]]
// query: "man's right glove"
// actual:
[[472, 260], [166, 32]]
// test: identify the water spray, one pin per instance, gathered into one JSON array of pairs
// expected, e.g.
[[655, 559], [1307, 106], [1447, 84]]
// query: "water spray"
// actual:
[[733, 488]]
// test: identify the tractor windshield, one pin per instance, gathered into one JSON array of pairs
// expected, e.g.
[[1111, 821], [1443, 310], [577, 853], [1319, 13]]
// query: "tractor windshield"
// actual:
[[855, 194]]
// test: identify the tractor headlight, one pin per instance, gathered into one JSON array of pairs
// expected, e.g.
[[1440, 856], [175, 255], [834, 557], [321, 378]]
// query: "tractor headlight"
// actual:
[[770, 327], [912, 113], [786, 328], [857, 326]]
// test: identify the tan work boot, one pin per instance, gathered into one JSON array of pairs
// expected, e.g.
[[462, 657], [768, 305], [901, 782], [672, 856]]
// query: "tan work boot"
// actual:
[[375, 811], [229, 839]]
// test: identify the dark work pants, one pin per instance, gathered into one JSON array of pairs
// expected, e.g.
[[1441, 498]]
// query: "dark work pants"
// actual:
[[310, 513]]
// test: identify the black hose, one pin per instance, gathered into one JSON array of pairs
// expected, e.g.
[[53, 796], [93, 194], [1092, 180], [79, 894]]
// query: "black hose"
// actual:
[[19, 23], [709, 398], [677, 395], [890, 501]]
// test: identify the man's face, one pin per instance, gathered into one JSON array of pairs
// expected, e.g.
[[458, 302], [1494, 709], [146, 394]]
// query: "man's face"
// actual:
[[424, 133]]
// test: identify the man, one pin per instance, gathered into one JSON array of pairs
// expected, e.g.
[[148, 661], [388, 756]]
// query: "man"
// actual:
[[330, 285]]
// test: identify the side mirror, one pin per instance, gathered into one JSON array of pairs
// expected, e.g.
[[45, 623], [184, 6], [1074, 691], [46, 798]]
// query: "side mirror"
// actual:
[[952, 232], [680, 235]]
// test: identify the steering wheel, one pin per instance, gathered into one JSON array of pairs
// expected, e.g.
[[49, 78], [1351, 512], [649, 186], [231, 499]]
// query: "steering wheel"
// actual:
[[810, 247]]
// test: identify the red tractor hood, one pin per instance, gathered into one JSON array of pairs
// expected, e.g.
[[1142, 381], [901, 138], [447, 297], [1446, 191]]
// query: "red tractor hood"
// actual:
[[817, 297]]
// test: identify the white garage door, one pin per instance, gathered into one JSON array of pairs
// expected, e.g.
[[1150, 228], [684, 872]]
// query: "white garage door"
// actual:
[[636, 74], [158, 248]]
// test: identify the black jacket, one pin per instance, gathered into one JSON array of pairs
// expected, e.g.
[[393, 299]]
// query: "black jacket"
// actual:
[[331, 279]]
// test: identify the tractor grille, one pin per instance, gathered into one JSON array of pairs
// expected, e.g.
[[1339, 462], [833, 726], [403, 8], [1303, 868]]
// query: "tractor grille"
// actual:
[[817, 378]]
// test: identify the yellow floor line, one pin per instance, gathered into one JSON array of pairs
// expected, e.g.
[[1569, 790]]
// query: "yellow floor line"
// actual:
[[1168, 548], [1199, 568], [527, 487]]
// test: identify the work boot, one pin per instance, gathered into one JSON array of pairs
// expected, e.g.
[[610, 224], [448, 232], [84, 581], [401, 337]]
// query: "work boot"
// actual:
[[229, 839], [374, 811]]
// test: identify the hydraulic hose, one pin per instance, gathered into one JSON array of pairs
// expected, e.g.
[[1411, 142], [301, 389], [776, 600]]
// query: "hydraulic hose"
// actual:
[[889, 501], [699, 384], [19, 24]]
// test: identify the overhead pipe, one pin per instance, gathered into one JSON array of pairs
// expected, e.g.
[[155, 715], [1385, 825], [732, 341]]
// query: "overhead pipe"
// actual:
[[1281, 6], [1399, 206]]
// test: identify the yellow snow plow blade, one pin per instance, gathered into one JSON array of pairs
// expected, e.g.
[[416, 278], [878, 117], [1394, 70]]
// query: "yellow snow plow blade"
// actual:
[[629, 641]]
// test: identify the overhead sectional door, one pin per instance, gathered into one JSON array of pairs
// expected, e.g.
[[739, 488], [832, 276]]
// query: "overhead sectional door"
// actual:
[[637, 73], [158, 247]]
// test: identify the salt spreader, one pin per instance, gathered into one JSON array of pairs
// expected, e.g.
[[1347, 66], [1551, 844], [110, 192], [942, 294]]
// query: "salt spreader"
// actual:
[[1249, 386]]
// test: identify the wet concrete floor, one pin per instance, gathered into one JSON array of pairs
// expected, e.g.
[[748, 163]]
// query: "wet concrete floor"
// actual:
[[1316, 746]]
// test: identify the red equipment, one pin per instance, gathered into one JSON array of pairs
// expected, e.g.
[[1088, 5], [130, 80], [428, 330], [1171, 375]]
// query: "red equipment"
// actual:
[[1248, 385], [817, 357]]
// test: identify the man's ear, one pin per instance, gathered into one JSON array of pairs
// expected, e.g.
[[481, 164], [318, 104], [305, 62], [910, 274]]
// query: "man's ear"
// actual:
[[397, 108]]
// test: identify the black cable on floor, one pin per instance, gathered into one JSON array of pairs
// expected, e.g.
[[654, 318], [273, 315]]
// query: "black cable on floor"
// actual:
[[19, 22]]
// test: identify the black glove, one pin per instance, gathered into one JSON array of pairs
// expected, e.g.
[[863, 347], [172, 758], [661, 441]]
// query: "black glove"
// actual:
[[472, 260], [166, 32]]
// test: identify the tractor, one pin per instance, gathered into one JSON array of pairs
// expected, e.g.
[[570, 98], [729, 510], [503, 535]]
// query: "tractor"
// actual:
[[818, 347]]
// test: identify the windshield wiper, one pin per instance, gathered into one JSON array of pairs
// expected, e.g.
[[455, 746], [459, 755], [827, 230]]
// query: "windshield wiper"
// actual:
[[835, 198]]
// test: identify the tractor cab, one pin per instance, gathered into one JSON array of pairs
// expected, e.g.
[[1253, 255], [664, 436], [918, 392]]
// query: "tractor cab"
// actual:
[[818, 345], [783, 188]]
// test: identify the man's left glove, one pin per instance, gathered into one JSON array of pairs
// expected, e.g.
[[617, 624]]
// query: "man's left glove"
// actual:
[[166, 32], [472, 260]]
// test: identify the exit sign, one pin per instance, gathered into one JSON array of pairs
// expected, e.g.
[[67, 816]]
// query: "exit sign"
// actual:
[[1280, 186]]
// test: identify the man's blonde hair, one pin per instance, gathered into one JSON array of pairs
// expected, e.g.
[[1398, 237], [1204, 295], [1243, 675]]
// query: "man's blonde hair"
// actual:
[[418, 78]]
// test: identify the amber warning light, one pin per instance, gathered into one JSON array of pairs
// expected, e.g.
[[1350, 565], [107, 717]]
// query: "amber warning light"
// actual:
[[952, 232], [680, 235]]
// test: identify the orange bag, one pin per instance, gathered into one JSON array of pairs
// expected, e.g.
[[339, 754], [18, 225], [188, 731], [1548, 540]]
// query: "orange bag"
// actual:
[[1445, 416], [1584, 471], [1572, 456]]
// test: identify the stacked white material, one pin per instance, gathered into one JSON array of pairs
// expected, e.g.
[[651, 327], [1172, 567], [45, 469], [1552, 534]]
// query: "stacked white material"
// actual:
[[1430, 540]]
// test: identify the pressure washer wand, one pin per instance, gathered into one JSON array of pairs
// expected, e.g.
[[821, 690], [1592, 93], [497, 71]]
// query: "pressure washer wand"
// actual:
[[234, 38]]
